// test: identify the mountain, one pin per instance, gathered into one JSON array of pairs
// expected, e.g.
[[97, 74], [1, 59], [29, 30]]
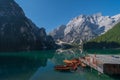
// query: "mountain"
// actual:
[[17, 32], [85, 27], [110, 39], [58, 33]]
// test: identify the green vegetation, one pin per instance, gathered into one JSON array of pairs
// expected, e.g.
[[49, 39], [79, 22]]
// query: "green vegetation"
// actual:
[[113, 35], [111, 39]]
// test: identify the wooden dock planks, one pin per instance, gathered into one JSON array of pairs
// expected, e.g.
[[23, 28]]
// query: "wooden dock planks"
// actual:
[[108, 64]]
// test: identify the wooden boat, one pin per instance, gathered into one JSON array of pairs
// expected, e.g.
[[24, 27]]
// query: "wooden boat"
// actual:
[[65, 67], [83, 65], [62, 68], [71, 65], [73, 62]]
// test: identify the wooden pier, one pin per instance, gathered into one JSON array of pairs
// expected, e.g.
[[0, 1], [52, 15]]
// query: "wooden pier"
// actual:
[[108, 64], [92, 65]]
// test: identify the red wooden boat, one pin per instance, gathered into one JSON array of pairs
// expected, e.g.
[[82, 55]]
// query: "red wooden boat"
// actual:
[[67, 67], [62, 68]]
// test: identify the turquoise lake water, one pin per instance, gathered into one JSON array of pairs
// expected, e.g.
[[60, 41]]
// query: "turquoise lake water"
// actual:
[[39, 65]]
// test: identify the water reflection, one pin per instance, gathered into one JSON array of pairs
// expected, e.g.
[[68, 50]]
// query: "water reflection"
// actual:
[[21, 66], [48, 72], [68, 54], [104, 51], [39, 65]]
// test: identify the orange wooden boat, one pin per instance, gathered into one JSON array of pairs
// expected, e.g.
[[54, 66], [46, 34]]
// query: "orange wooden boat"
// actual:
[[73, 61]]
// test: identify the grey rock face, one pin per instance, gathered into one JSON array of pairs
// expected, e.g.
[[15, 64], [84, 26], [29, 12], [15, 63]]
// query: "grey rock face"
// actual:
[[86, 27], [58, 33], [17, 32], [10, 8], [83, 32]]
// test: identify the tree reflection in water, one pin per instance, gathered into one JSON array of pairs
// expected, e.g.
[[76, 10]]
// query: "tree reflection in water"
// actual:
[[22, 65]]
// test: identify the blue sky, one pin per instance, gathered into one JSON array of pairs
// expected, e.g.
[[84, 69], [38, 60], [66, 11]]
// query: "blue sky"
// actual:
[[52, 13]]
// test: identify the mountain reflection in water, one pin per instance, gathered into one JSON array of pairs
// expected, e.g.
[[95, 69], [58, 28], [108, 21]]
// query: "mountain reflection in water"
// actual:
[[39, 65], [22, 65], [68, 54]]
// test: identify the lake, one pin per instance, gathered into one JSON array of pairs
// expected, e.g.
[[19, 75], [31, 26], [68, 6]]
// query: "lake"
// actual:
[[39, 65]]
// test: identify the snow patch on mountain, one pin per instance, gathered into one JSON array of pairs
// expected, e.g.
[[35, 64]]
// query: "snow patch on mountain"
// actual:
[[86, 27]]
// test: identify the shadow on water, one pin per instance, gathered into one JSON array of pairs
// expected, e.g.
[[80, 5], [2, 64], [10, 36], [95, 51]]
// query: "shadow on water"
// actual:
[[22, 65], [103, 51], [116, 77]]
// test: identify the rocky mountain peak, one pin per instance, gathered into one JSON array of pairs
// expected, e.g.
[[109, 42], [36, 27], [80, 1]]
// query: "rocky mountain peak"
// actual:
[[97, 15], [10, 8], [86, 27], [58, 32], [17, 32]]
